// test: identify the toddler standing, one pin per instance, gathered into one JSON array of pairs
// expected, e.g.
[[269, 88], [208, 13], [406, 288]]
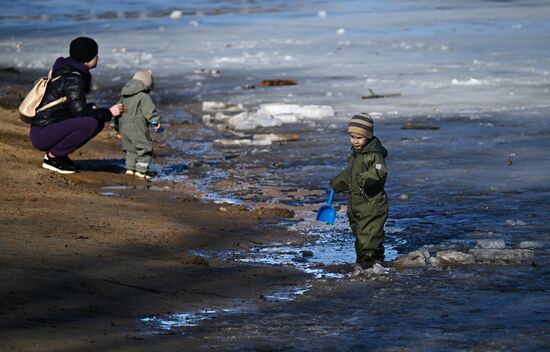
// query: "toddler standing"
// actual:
[[365, 177], [139, 113]]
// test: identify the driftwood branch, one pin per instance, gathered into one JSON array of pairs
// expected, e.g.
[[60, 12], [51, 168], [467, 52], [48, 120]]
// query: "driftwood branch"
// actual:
[[373, 95]]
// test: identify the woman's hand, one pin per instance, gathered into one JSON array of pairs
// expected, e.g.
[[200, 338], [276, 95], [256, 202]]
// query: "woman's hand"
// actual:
[[117, 109]]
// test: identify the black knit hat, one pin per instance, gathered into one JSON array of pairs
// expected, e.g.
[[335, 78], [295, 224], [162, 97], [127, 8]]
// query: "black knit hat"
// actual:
[[83, 49]]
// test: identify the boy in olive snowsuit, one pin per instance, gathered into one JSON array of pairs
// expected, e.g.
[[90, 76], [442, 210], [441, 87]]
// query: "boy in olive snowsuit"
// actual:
[[139, 113], [364, 178]]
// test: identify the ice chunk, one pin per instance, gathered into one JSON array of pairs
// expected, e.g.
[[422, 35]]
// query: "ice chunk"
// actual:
[[286, 118], [456, 257], [221, 117], [530, 245], [250, 121], [469, 82], [275, 137], [415, 258], [213, 106], [176, 15], [515, 223], [494, 244], [232, 142], [259, 142], [502, 256], [301, 111], [378, 269]]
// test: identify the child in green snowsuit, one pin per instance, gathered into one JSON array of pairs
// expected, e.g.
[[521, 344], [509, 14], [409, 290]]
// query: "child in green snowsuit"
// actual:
[[365, 177], [139, 113]]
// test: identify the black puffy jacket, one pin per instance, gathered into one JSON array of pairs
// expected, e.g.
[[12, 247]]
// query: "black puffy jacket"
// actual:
[[71, 84]]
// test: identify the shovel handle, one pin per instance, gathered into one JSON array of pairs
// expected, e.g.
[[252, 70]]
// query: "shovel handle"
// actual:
[[329, 201]]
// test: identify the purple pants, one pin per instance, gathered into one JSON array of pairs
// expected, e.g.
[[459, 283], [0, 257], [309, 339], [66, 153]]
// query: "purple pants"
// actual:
[[64, 137]]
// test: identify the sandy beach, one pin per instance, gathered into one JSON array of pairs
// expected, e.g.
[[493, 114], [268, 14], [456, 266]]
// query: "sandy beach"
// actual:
[[80, 268]]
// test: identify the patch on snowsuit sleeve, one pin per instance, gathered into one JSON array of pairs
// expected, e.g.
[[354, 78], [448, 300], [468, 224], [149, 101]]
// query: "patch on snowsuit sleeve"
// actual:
[[378, 166]]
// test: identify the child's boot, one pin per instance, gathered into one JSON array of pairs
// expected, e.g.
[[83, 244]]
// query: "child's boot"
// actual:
[[142, 175]]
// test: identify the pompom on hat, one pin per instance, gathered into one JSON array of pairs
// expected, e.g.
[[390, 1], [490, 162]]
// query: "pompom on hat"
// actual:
[[146, 76], [362, 124], [83, 49]]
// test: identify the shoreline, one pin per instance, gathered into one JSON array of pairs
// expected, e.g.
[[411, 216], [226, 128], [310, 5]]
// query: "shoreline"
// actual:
[[80, 268], [88, 275]]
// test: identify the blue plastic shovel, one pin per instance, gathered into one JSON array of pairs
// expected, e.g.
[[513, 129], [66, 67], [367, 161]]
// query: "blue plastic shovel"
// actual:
[[326, 213]]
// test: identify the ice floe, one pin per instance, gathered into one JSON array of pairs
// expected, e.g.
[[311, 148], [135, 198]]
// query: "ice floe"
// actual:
[[267, 115]]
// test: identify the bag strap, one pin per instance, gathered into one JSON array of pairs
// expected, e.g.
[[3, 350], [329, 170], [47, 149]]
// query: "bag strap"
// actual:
[[57, 101], [52, 104]]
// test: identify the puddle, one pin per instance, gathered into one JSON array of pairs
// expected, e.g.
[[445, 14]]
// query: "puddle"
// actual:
[[287, 294], [158, 324], [110, 194], [116, 187], [333, 245], [179, 321]]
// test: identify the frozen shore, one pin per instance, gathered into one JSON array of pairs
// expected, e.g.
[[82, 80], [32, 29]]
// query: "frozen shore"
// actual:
[[466, 121]]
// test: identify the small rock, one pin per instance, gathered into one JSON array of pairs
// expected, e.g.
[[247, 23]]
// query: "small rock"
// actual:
[[491, 244], [502, 256], [456, 257], [299, 260], [416, 258], [307, 254], [530, 245], [439, 262], [378, 269]]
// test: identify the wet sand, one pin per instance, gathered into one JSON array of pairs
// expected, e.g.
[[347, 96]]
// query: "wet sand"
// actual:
[[79, 269]]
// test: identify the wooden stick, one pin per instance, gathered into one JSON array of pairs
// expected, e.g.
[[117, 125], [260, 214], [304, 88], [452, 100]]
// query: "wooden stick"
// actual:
[[373, 95]]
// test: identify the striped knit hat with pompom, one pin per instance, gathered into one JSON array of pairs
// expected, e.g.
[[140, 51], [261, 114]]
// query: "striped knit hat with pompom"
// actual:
[[361, 124]]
